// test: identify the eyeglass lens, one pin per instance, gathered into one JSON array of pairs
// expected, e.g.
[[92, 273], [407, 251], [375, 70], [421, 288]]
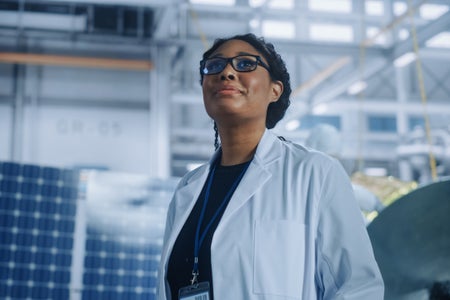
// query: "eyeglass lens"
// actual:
[[241, 63]]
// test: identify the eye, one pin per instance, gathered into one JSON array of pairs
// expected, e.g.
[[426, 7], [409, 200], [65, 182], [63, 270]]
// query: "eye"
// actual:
[[214, 65], [246, 63]]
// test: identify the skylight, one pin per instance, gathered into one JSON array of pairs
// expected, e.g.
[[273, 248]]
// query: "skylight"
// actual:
[[279, 4], [400, 8], [254, 23], [432, 11], [427, 11], [282, 4], [256, 3], [331, 32], [403, 34], [440, 40], [336, 6], [372, 32], [214, 2], [278, 29], [374, 8]]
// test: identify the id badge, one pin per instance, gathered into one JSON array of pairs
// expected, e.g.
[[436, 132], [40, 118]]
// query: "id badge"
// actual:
[[198, 291]]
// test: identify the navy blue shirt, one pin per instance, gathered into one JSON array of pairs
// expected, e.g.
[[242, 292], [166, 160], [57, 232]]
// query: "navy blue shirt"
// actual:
[[179, 270]]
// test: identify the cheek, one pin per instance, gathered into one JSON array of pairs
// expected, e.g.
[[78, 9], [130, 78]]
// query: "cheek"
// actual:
[[206, 86], [259, 88]]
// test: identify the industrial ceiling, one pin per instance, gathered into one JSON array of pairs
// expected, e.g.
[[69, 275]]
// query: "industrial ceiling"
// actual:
[[348, 58]]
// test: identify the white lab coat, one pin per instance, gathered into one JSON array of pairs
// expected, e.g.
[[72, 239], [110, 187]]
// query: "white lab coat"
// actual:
[[292, 230]]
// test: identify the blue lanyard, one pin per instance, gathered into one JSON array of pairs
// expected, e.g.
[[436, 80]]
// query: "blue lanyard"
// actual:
[[199, 238]]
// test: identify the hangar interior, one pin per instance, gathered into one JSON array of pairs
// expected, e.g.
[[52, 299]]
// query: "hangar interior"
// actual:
[[111, 85], [137, 106]]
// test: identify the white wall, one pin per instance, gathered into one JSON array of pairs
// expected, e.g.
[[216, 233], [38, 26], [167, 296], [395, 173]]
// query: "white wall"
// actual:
[[77, 117], [116, 139]]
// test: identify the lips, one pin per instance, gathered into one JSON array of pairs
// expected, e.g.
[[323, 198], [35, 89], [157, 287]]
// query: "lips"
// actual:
[[228, 90]]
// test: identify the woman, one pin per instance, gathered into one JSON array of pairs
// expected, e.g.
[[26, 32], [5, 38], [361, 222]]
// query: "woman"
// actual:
[[265, 218]]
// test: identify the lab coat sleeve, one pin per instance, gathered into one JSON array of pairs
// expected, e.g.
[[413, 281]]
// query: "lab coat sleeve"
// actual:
[[161, 286], [346, 265], [161, 292]]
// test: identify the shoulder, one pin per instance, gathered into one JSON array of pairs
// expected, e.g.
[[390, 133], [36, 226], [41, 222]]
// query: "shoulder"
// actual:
[[309, 157], [274, 148]]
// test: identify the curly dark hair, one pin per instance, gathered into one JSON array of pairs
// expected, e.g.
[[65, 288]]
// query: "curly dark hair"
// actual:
[[278, 72]]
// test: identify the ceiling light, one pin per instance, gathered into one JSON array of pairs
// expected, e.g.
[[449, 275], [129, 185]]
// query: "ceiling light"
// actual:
[[255, 23], [292, 125], [357, 87], [279, 29], [330, 32], [403, 34], [256, 3], [405, 59], [335, 6], [320, 109], [441, 40]]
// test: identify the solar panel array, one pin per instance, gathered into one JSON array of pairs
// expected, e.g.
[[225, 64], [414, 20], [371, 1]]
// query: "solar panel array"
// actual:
[[52, 246], [37, 219], [117, 271]]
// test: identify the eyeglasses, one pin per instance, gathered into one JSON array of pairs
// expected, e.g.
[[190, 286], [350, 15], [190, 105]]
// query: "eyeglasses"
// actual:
[[241, 63]]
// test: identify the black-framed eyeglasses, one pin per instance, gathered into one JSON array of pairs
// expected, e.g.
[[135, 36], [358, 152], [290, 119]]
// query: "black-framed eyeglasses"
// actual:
[[241, 63]]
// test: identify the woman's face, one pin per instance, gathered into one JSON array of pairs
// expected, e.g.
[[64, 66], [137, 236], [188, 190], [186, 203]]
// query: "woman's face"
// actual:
[[235, 98]]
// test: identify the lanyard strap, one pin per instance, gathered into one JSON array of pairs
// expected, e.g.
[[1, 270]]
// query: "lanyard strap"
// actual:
[[199, 238]]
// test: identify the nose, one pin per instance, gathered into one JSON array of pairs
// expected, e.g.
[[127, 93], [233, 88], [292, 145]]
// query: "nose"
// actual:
[[228, 73]]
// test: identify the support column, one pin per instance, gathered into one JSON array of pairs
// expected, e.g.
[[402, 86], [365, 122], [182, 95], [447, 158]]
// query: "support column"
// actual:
[[31, 116], [402, 83], [18, 113], [160, 100]]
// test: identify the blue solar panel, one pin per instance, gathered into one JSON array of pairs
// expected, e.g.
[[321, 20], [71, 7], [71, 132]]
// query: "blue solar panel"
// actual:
[[41, 223], [37, 216], [119, 271]]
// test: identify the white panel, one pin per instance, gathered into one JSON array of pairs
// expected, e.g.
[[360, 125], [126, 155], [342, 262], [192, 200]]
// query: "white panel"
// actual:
[[107, 138], [108, 85], [43, 21], [5, 131]]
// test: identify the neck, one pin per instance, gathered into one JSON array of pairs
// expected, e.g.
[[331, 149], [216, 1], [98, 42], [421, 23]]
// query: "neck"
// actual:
[[238, 146]]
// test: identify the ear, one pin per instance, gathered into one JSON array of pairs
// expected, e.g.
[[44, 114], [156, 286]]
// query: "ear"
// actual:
[[276, 90]]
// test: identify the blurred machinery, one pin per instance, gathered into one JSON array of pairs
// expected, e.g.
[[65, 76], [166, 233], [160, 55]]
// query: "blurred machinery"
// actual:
[[372, 193], [385, 188], [414, 154], [411, 242], [407, 222]]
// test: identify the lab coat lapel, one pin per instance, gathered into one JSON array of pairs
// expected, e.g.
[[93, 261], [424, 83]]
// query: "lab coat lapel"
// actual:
[[257, 174], [255, 177], [188, 194]]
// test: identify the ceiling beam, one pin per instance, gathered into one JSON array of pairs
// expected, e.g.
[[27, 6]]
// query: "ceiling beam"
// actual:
[[423, 34], [371, 69], [73, 61]]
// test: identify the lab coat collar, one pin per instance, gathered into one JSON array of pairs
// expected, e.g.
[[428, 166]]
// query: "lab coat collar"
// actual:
[[267, 152]]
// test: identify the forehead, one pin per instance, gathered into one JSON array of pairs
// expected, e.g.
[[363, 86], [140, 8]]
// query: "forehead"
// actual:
[[235, 47]]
